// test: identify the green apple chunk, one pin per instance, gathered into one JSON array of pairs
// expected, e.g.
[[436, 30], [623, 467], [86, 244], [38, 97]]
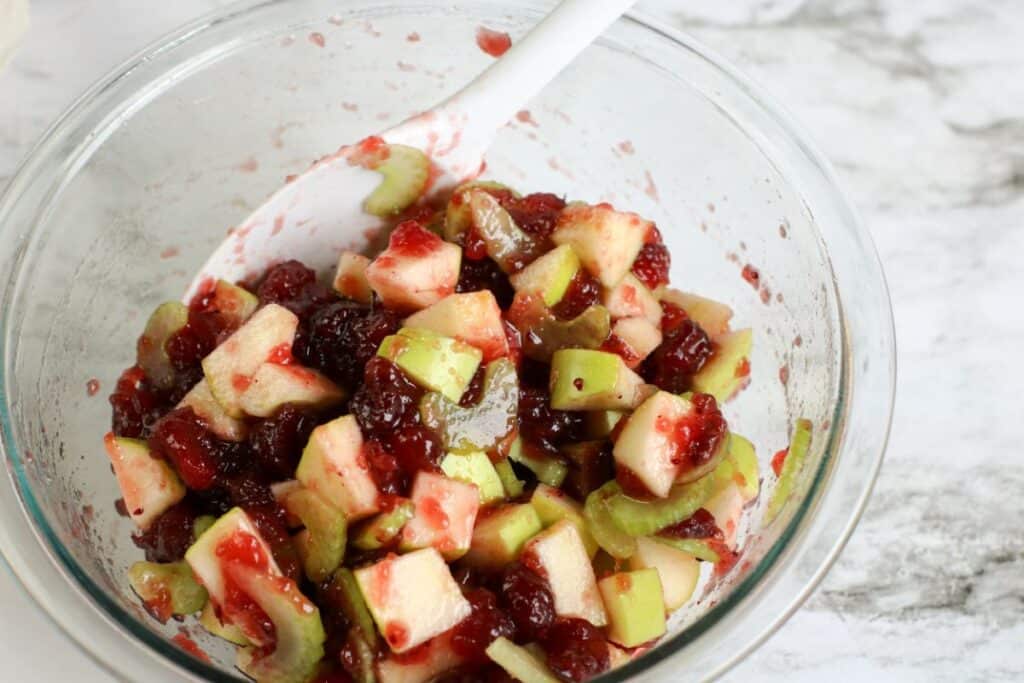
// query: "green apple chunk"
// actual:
[[209, 620], [513, 485], [679, 571], [477, 469], [606, 241], [602, 526], [321, 545], [799, 444], [499, 538], [631, 299], [383, 530], [636, 606], [434, 658], [275, 385], [201, 524], [230, 367], [544, 333], [350, 277], [473, 318], [148, 485], [345, 592], [582, 379], [281, 490], [553, 506], [151, 350], [713, 317], [560, 553], [412, 597], [299, 633], [406, 171], [640, 336], [519, 663], [206, 408], [649, 446], [458, 216], [435, 362], [643, 518], [510, 247], [445, 514], [334, 467], [235, 303], [547, 469], [479, 427], [600, 423], [167, 589], [590, 466], [549, 276], [417, 269], [727, 371]]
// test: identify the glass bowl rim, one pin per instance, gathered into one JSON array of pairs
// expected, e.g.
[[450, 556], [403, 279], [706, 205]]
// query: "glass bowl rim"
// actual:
[[117, 616]]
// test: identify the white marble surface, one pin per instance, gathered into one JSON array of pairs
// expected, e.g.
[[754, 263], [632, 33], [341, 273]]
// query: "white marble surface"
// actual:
[[920, 105]]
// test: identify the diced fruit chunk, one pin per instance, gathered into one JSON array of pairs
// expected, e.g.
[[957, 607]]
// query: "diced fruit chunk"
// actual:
[[321, 544], [473, 318], [412, 597], [543, 333], [726, 506], [209, 620], [382, 530], [148, 485], [445, 514], [230, 367], [353, 605], [406, 171], [519, 663], [513, 484], [648, 446], [678, 571], [553, 506], [152, 356], [799, 445], [549, 276], [612, 539], [234, 302], [636, 607], [167, 589], [547, 469], [582, 379], [417, 269], [206, 408], [350, 277], [484, 425], [741, 466], [606, 241], [727, 371], [499, 538], [274, 385], [510, 247], [475, 468], [561, 557], [433, 361], [631, 299], [432, 659], [640, 336], [333, 466], [713, 317]]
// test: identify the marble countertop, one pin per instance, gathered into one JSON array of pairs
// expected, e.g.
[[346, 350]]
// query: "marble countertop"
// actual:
[[920, 106]]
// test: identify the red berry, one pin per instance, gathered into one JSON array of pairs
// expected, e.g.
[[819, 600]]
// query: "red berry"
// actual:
[[584, 291], [652, 265], [682, 353]]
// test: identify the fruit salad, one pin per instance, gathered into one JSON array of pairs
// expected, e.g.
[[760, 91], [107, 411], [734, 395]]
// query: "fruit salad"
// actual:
[[495, 450]]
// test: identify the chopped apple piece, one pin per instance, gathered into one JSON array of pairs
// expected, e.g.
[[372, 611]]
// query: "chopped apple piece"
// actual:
[[417, 269], [473, 318], [433, 659], [406, 171], [350, 277], [600, 423], [167, 589], [606, 241], [206, 408], [499, 538], [728, 369], [636, 607], [713, 317], [334, 467], [230, 367], [726, 506], [477, 469], [148, 485], [552, 506], [151, 349], [384, 529], [640, 335], [413, 597], [648, 445], [547, 469], [513, 485], [549, 276], [435, 362], [582, 379], [519, 663], [445, 514], [631, 299], [560, 554], [233, 302], [274, 385], [679, 571]]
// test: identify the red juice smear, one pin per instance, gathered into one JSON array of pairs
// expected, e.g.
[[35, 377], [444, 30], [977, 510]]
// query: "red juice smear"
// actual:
[[92, 387]]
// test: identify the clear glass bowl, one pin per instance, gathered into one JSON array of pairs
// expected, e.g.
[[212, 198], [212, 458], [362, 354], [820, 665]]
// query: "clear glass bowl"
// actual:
[[128, 192]]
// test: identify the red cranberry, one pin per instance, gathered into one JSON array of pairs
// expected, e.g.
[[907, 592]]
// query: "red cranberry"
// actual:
[[486, 623], [386, 400], [294, 286], [270, 521], [136, 405], [170, 535], [576, 650], [536, 214], [248, 489], [682, 353], [528, 601], [700, 525], [278, 441], [342, 337], [471, 396], [544, 426], [584, 291], [182, 439], [387, 471], [482, 275], [415, 448], [706, 430], [191, 344], [652, 265], [672, 316]]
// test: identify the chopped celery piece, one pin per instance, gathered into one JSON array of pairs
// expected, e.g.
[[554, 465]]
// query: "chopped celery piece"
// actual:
[[458, 215], [201, 525], [513, 485], [798, 447], [548, 470], [406, 171], [601, 525], [510, 247], [322, 545], [519, 663], [152, 356], [697, 547], [383, 529], [167, 589], [544, 334], [643, 518], [346, 589], [209, 620]]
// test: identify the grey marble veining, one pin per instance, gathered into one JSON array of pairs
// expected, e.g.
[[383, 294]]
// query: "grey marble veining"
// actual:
[[920, 106]]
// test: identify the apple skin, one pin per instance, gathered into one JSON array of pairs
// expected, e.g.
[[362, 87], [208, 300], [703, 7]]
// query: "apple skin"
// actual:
[[417, 270], [500, 537], [561, 556], [435, 362], [606, 241], [636, 606], [679, 571], [582, 379], [549, 276], [148, 485], [631, 299], [333, 466], [473, 318], [350, 278]]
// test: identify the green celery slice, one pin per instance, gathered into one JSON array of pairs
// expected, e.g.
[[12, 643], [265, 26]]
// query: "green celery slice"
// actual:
[[602, 527]]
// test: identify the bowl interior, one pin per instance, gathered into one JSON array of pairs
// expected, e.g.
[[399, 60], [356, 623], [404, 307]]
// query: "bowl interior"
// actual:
[[150, 173]]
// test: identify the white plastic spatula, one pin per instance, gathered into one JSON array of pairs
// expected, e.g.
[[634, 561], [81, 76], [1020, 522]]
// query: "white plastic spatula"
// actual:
[[316, 215]]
